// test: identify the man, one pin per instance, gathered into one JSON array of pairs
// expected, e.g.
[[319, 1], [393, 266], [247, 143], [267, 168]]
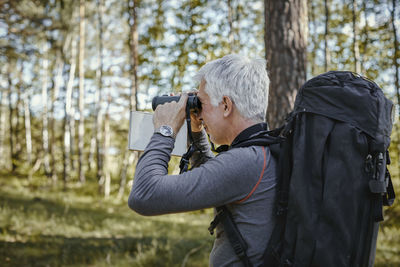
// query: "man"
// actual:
[[234, 93]]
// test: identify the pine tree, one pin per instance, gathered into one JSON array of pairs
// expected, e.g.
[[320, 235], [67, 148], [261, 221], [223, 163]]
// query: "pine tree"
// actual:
[[99, 77], [285, 54], [129, 156], [356, 51], [327, 58], [81, 100], [396, 58]]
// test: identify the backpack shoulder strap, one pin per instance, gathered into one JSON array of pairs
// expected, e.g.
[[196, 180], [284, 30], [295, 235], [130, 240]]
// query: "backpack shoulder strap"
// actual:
[[224, 216], [282, 152], [238, 244]]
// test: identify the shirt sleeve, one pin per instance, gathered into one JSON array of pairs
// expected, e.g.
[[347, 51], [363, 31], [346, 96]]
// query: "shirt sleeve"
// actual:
[[224, 179]]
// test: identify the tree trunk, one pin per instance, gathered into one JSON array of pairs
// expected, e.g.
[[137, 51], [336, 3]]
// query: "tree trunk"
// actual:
[[54, 95], [286, 52], [396, 56], [3, 118], [72, 127], [231, 38], [92, 144], [17, 118], [107, 167], [28, 131], [327, 57], [356, 51], [99, 77], [134, 43], [366, 40], [129, 156], [68, 119], [45, 115], [13, 165], [129, 159], [311, 21], [81, 129]]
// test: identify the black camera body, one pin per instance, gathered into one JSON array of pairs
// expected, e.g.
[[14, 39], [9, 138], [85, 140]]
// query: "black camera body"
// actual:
[[193, 101]]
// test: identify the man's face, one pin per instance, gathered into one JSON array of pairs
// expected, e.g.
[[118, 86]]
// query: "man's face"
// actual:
[[211, 116]]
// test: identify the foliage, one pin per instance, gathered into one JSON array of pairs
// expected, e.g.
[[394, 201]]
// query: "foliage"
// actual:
[[175, 39]]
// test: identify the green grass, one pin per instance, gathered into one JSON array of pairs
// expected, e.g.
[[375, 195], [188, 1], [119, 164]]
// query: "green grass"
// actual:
[[388, 248], [43, 226], [46, 225]]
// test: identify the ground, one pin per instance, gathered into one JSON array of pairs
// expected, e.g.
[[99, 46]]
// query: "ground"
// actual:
[[46, 225]]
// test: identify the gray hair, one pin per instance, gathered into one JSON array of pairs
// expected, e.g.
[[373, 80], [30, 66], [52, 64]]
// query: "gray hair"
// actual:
[[244, 80]]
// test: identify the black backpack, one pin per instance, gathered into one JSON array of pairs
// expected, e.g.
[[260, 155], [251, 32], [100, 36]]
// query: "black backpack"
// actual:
[[332, 173]]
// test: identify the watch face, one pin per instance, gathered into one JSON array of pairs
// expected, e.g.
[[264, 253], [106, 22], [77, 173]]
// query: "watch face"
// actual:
[[166, 130]]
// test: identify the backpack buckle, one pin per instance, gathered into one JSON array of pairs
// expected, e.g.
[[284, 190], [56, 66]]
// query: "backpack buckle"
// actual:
[[281, 210], [215, 222], [282, 203]]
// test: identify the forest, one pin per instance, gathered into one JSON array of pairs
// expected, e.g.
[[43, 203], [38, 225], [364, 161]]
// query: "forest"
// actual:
[[72, 70]]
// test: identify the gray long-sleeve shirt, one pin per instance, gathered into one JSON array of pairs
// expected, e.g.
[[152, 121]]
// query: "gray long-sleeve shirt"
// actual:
[[241, 178]]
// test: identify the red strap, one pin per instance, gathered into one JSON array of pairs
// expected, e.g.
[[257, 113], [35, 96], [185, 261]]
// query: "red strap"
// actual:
[[259, 179]]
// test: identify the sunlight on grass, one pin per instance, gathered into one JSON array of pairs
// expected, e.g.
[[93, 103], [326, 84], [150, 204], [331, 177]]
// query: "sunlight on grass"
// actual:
[[42, 225], [388, 251]]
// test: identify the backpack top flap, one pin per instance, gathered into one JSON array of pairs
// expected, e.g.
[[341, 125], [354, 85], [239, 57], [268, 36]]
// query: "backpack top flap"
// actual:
[[348, 97]]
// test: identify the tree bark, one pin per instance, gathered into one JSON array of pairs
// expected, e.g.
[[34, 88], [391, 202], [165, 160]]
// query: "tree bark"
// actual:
[[81, 129], [129, 159], [18, 118], [129, 156], [231, 38], [286, 32], [54, 95], [68, 119], [134, 43], [4, 97], [356, 50], [99, 116], [366, 40], [107, 167], [327, 58], [45, 115], [13, 165], [28, 131], [92, 144], [396, 56], [311, 21]]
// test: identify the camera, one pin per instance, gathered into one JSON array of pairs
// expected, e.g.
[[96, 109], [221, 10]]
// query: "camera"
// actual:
[[193, 101]]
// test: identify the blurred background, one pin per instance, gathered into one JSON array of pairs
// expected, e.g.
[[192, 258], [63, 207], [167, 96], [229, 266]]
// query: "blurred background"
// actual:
[[71, 70]]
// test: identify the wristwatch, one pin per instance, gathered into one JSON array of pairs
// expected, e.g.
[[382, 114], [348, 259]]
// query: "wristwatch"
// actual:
[[166, 130]]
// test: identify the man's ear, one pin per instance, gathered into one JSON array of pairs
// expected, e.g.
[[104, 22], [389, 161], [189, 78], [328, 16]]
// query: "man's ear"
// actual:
[[228, 105]]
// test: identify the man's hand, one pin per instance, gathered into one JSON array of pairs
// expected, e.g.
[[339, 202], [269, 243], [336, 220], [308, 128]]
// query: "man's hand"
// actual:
[[172, 114]]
